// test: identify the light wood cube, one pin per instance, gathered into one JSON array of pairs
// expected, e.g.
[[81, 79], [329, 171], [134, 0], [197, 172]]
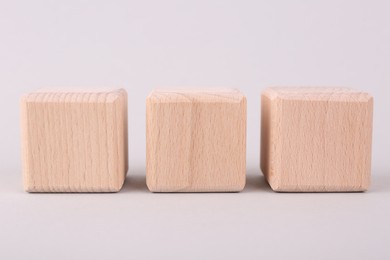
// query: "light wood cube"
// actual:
[[316, 139], [74, 141], [196, 141]]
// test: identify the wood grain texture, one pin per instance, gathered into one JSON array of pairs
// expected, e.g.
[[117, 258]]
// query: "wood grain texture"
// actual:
[[74, 141], [196, 140], [316, 139]]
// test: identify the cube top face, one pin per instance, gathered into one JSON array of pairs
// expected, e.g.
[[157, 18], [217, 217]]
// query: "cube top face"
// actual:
[[224, 95], [331, 94], [316, 140], [101, 95], [196, 141], [74, 140]]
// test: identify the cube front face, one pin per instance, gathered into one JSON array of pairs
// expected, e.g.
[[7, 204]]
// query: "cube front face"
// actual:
[[74, 141], [196, 141], [316, 140]]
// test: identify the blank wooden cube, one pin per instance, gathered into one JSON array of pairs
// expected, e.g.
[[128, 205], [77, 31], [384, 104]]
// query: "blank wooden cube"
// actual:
[[316, 139], [196, 140], [74, 141]]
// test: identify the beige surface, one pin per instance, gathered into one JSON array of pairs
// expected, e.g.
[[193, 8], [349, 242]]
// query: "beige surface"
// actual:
[[74, 140], [196, 140], [144, 44], [316, 139]]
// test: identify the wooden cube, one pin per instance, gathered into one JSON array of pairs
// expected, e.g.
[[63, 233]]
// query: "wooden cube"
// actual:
[[316, 139], [196, 140], [74, 141]]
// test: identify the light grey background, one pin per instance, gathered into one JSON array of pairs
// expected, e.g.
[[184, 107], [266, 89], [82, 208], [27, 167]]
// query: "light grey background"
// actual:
[[140, 45]]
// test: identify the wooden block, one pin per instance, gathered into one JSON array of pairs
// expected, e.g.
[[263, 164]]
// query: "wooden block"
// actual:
[[316, 139], [74, 141], [196, 140]]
